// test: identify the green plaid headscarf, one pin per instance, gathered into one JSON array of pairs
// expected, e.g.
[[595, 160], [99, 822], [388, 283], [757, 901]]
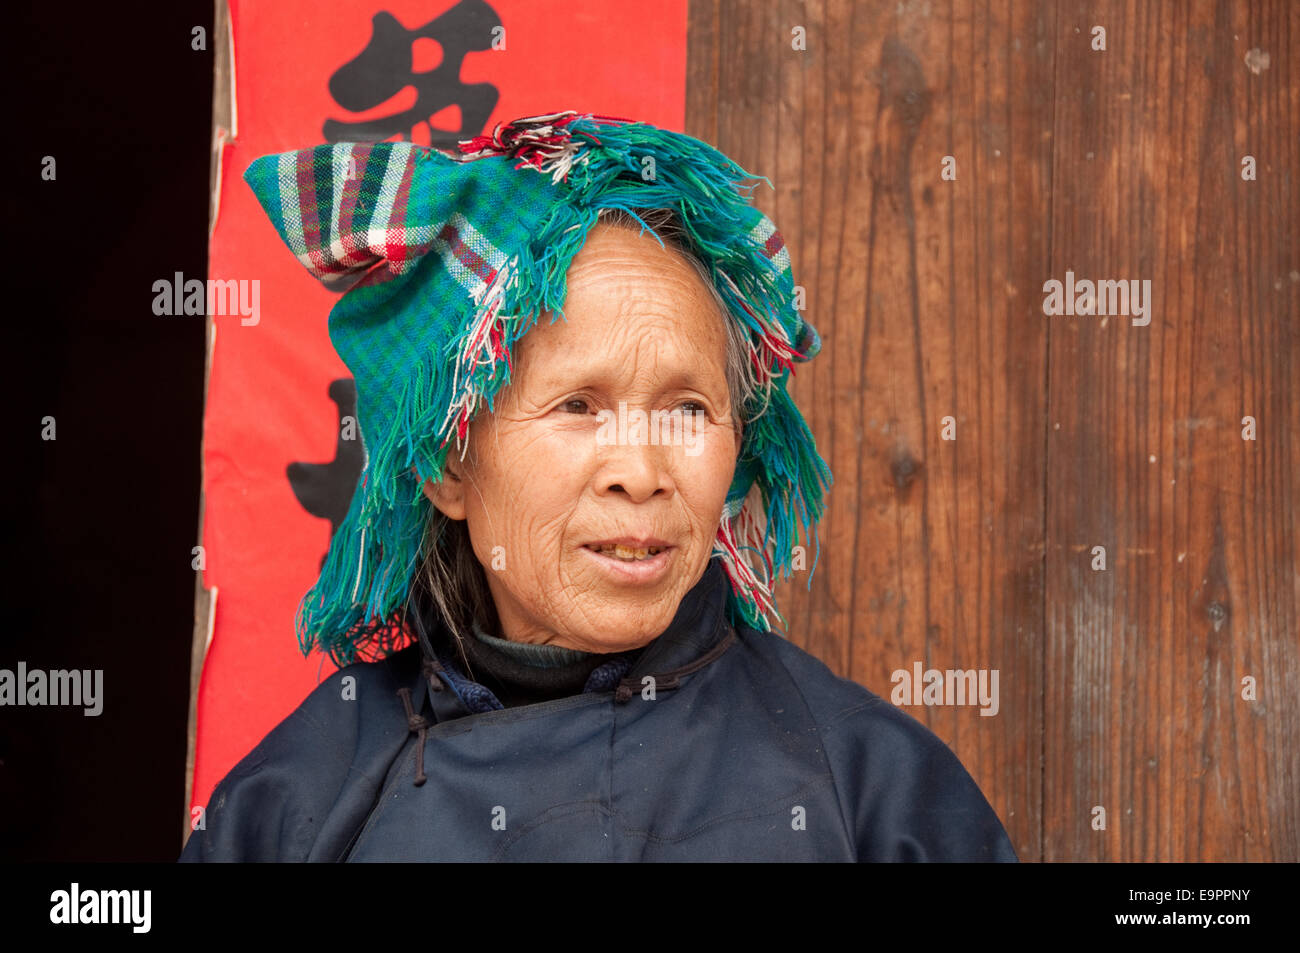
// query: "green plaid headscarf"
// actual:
[[428, 337]]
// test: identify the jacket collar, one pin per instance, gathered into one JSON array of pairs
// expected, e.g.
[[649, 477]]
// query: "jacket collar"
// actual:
[[698, 634]]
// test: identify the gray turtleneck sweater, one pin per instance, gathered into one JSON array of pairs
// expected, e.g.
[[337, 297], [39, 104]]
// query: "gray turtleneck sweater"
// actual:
[[521, 674]]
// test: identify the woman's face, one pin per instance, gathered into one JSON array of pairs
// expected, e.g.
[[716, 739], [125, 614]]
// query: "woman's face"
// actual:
[[551, 474]]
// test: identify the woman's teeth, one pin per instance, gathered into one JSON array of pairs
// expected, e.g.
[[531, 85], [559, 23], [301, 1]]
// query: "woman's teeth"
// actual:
[[619, 551]]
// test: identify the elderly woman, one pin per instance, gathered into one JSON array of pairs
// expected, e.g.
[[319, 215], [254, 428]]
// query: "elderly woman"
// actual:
[[551, 599]]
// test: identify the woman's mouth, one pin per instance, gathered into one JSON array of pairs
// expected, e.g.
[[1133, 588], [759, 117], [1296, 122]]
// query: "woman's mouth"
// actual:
[[631, 564], [626, 553]]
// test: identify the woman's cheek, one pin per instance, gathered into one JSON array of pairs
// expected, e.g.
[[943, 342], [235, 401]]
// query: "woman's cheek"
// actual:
[[562, 437], [538, 447], [714, 463]]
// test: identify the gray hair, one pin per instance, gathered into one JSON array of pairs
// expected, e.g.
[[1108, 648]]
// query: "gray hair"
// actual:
[[450, 581]]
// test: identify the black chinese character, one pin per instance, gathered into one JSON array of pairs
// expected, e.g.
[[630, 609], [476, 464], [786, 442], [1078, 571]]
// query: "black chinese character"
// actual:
[[384, 68]]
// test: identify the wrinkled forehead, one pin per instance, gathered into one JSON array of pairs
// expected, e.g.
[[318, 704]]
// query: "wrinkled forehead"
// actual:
[[629, 302]]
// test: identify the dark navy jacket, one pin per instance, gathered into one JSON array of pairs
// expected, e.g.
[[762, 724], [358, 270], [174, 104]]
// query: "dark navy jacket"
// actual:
[[750, 749]]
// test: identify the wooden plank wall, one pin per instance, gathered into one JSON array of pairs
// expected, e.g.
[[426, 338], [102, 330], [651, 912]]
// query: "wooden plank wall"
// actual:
[[1120, 688]]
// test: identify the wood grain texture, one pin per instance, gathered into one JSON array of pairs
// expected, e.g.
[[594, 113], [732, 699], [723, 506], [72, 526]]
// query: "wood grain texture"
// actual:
[[1118, 688]]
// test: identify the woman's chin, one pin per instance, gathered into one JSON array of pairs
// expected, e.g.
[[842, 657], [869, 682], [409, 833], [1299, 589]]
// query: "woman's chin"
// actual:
[[619, 625]]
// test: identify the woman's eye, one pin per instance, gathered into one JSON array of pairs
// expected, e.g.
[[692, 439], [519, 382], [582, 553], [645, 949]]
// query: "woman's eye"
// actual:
[[577, 405]]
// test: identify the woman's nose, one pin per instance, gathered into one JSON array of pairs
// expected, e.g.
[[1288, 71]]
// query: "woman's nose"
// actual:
[[637, 471]]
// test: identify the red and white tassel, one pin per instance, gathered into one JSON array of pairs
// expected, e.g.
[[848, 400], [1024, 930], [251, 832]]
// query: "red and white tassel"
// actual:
[[744, 581], [541, 142], [483, 346], [773, 339]]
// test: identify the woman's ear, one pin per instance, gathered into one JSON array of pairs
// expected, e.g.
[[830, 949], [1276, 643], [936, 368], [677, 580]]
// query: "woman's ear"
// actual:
[[448, 494]]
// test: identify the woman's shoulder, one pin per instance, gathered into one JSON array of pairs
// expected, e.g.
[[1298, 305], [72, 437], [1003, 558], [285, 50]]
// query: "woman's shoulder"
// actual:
[[313, 774], [905, 794], [351, 699], [829, 697], [837, 703]]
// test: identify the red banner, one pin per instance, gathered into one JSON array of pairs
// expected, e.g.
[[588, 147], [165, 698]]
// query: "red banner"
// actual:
[[275, 472]]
